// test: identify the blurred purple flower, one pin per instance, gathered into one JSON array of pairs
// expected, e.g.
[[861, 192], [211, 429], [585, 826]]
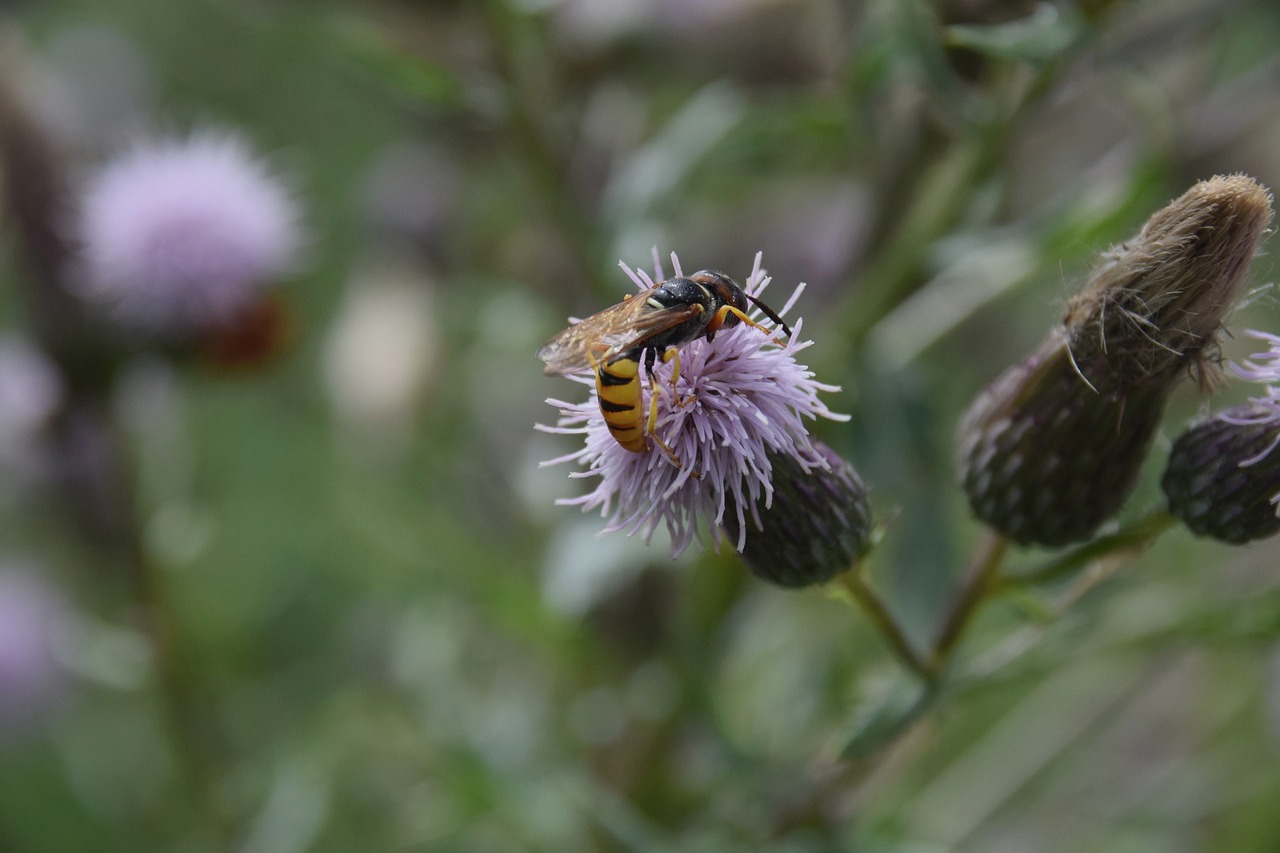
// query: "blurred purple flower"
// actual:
[[30, 393], [742, 398], [31, 616], [181, 236]]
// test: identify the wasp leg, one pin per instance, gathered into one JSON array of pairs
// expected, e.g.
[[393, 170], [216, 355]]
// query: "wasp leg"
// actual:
[[672, 355], [652, 423], [726, 310]]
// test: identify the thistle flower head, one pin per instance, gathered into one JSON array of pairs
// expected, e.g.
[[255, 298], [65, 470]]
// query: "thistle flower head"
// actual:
[[739, 403], [182, 236], [819, 525], [1223, 480], [1223, 476], [1053, 447]]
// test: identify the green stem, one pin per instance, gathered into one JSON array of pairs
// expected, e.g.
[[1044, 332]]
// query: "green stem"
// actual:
[[982, 577], [858, 585], [531, 105], [99, 484], [1132, 539], [196, 737]]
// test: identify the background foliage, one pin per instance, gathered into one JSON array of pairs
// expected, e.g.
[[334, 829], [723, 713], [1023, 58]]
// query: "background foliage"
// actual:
[[387, 635]]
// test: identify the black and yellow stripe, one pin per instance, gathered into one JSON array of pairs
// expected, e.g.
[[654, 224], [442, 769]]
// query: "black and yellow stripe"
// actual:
[[618, 386]]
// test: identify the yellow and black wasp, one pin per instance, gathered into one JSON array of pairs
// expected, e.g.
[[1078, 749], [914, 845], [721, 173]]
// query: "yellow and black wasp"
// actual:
[[617, 341]]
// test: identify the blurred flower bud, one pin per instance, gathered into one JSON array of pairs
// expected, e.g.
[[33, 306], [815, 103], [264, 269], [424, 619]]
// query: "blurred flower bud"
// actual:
[[1222, 481], [382, 354], [410, 196], [183, 238], [1053, 447], [32, 615], [817, 526]]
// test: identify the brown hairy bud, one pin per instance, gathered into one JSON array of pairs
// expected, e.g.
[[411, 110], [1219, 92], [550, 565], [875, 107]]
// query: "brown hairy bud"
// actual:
[[1053, 447]]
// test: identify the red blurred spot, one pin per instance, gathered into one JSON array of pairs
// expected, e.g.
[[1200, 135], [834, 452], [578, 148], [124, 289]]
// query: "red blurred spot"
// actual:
[[254, 338]]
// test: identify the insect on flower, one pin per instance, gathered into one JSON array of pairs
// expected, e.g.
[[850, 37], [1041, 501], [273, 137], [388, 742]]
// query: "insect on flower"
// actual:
[[616, 342], [739, 410]]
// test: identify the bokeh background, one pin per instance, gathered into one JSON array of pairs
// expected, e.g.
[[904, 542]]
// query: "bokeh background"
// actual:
[[330, 604]]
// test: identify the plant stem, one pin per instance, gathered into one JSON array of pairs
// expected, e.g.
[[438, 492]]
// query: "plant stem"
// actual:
[[856, 583], [983, 575], [532, 107], [1131, 540], [95, 464]]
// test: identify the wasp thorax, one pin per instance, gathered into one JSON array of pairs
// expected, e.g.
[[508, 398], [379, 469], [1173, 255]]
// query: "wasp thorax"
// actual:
[[724, 289]]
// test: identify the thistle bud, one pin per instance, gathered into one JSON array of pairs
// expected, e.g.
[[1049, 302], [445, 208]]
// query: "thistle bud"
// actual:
[[818, 525], [1222, 480], [1053, 447]]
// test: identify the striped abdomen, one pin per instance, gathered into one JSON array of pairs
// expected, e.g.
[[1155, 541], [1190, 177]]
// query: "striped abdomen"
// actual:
[[618, 386]]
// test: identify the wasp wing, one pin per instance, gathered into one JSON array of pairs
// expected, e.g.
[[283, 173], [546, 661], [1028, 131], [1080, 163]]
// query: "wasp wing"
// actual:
[[616, 329]]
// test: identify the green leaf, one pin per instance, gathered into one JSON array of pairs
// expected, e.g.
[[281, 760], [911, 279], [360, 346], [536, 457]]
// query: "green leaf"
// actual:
[[401, 71], [882, 721], [1040, 38]]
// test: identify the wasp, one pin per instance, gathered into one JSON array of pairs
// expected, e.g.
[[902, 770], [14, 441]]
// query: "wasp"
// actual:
[[618, 341]]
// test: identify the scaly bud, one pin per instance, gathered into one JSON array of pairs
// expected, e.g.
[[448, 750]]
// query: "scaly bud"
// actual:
[[1223, 480], [818, 525], [1053, 447]]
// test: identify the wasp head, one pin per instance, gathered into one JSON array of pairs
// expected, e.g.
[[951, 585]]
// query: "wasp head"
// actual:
[[725, 291]]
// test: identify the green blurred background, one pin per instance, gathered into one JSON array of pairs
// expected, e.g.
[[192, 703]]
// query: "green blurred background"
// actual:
[[388, 637]]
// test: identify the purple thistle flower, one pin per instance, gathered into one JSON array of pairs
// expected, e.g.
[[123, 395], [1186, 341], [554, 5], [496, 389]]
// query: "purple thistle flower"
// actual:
[[183, 236], [1223, 475], [737, 401], [1261, 367]]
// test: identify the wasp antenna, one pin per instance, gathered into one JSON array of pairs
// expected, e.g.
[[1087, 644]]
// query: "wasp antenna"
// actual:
[[768, 312]]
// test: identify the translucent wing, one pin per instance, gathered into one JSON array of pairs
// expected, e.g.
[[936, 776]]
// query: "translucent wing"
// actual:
[[617, 328]]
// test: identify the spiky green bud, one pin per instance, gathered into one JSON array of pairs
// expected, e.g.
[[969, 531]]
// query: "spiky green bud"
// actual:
[[1053, 447], [817, 526]]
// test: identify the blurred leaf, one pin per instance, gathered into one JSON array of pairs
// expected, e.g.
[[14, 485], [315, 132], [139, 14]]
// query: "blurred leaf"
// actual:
[[906, 37], [657, 169], [424, 81], [883, 721], [1255, 620], [1040, 38]]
